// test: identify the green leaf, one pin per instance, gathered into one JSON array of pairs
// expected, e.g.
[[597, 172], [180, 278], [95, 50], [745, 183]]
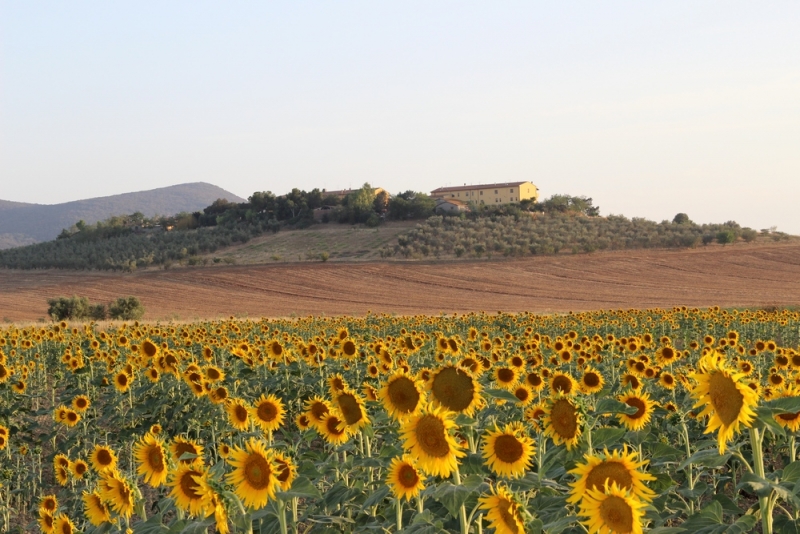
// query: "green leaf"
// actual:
[[763, 488], [613, 406], [452, 496], [785, 525], [784, 405], [559, 525], [666, 530], [766, 416], [791, 473], [376, 497], [602, 437], [301, 488], [707, 458], [502, 394], [666, 453], [710, 516]]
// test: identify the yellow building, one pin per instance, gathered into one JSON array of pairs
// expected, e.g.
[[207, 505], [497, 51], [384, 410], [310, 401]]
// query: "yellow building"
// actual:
[[504, 193]]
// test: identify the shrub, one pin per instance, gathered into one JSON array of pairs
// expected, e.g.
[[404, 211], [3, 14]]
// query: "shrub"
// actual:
[[749, 235], [726, 236], [126, 309], [324, 256], [63, 308]]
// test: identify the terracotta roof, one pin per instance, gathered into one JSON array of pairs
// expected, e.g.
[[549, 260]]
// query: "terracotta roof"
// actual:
[[453, 201], [477, 186]]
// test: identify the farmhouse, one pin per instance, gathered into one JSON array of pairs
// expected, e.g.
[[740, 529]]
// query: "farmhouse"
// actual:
[[502, 193], [450, 205]]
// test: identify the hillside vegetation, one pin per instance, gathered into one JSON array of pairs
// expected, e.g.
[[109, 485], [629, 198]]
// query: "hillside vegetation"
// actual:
[[523, 234], [22, 224]]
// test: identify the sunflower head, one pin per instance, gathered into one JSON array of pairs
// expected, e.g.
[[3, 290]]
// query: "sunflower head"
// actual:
[[428, 437], [508, 452], [562, 421], [503, 511], [620, 467], [612, 509], [255, 473], [268, 413], [404, 479]]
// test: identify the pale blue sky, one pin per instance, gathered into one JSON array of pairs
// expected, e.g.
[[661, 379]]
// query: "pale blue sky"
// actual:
[[651, 108]]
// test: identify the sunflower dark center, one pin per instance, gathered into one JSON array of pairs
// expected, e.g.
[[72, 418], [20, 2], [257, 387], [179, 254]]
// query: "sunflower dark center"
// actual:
[[241, 413], [505, 375], [562, 383], [616, 514], [403, 394], [104, 457], [641, 407], [407, 476], [257, 471], [188, 485], [508, 448], [591, 380], [350, 408], [155, 458], [453, 389], [267, 411], [432, 437], [563, 419], [611, 471], [725, 397]]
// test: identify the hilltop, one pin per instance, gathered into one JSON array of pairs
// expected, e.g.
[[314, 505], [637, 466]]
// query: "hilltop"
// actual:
[[24, 224]]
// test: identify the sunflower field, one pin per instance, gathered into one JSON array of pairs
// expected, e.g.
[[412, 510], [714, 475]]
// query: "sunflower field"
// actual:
[[617, 421]]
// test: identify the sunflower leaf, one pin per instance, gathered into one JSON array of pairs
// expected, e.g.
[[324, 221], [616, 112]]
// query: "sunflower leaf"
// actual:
[[302, 488], [602, 437], [706, 458], [376, 497], [613, 406], [502, 394], [784, 405], [791, 473]]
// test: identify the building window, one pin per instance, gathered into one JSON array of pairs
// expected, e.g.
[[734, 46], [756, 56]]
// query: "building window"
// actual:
[[481, 192], [452, 195], [511, 190], [495, 191]]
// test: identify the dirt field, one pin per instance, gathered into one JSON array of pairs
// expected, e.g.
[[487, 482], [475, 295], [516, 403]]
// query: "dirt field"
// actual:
[[741, 275]]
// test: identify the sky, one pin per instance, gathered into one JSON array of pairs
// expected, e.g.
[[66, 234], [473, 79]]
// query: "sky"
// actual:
[[649, 108]]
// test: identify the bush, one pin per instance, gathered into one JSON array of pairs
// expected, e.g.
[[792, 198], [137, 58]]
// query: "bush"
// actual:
[[126, 309], [63, 308], [749, 235], [323, 256], [726, 236], [98, 312]]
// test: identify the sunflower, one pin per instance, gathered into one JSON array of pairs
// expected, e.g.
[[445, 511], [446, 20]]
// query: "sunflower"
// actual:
[[506, 376], [336, 384], [427, 436], [238, 414], [523, 394], [507, 452], [149, 349], [186, 488], [455, 389], [95, 510], [46, 522], [401, 395], [592, 381], [103, 458], [334, 429], [211, 503], [268, 413], [63, 524], [122, 381], [788, 420], [351, 406], [618, 467], [613, 510], [727, 400], [563, 383], [502, 511], [151, 460], [404, 479], [61, 474], [302, 421], [667, 381], [116, 491], [317, 409], [535, 381], [48, 503], [81, 403], [78, 468], [71, 418], [286, 469], [255, 474], [181, 446], [534, 414], [562, 421], [213, 373], [644, 410]]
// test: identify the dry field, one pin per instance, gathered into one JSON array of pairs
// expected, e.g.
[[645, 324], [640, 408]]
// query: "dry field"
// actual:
[[741, 275]]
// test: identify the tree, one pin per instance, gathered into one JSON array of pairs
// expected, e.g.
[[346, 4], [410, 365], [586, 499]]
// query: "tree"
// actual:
[[726, 236], [63, 308], [381, 202], [681, 218], [126, 309]]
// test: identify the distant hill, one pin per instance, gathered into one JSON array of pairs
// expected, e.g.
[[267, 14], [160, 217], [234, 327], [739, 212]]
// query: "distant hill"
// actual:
[[23, 224]]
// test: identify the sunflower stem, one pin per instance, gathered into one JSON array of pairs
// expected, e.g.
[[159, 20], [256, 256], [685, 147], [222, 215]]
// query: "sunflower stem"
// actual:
[[792, 452], [399, 512], [462, 514], [765, 503], [282, 516], [420, 504], [689, 465]]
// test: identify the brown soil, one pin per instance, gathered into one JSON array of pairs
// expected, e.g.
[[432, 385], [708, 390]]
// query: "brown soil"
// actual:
[[740, 275]]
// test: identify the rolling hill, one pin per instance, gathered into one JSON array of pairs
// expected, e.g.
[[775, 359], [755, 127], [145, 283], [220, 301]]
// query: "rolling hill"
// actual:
[[24, 224]]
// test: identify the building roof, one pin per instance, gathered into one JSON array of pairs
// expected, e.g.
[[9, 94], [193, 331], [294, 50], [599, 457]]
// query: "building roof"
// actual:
[[478, 186], [453, 201]]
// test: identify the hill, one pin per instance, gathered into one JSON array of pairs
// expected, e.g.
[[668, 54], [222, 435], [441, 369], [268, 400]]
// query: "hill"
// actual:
[[23, 224], [755, 274]]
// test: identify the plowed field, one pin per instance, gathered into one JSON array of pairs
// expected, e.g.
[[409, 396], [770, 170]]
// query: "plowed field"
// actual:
[[742, 275]]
